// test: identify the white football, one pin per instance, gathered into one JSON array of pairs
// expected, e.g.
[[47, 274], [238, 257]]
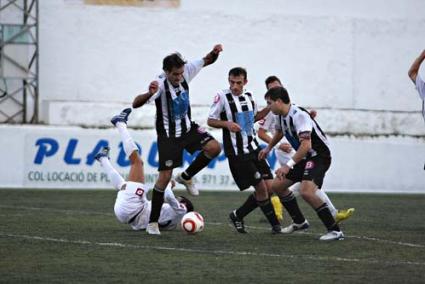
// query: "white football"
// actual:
[[192, 222]]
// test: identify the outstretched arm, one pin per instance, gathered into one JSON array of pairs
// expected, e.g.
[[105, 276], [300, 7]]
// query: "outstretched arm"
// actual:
[[171, 199], [212, 56], [140, 100], [276, 138], [414, 69]]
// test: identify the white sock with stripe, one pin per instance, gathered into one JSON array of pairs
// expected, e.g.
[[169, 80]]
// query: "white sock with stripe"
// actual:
[[116, 179], [127, 140]]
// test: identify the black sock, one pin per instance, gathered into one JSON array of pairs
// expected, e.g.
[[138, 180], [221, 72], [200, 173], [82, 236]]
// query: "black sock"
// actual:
[[200, 162], [267, 208], [246, 208], [291, 205], [326, 216], [157, 201]]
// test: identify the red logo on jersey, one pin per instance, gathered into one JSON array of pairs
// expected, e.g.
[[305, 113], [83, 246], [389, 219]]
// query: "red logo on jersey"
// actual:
[[140, 192], [261, 121], [309, 165], [216, 98]]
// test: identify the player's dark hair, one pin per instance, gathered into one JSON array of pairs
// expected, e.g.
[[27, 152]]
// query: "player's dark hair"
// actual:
[[187, 203], [278, 93], [238, 71], [174, 60], [272, 79]]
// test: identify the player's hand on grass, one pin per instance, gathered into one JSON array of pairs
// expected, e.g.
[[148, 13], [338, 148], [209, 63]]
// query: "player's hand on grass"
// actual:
[[233, 127], [285, 147]]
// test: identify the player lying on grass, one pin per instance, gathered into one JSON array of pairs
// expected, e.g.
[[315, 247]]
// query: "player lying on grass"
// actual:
[[132, 206]]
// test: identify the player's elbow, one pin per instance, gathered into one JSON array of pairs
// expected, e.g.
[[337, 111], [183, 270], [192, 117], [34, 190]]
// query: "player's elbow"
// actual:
[[136, 104], [412, 75], [210, 122], [261, 134]]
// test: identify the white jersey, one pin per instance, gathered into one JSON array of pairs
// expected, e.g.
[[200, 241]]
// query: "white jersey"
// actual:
[[132, 207], [268, 123], [173, 117], [420, 86], [298, 123], [241, 110]]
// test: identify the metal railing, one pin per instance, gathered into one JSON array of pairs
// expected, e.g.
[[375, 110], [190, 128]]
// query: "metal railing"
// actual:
[[19, 61]]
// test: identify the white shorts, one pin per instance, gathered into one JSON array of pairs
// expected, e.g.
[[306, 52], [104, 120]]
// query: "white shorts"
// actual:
[[283, 157], [130, 202]]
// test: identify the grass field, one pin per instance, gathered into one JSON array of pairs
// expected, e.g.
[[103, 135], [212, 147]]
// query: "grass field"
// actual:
[[73, 237]]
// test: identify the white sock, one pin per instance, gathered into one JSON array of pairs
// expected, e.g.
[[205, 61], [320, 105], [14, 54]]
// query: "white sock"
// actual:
[[127, 140], [322, 195], [296, 189], [116, 179]]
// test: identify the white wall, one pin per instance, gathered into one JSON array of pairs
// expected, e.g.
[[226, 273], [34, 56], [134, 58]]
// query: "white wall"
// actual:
[[352, 56]]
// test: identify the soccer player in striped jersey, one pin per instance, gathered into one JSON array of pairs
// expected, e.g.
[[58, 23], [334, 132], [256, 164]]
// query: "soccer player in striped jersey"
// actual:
[[308, 165], [131, 205], [175, 129], [235, 111], [284, 152]]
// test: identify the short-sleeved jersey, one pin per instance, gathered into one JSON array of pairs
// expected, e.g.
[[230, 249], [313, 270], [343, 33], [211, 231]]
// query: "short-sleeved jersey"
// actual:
[[241, 110], [133, 208], [298, 123], [268, 124], [420, 86], [173, 114]]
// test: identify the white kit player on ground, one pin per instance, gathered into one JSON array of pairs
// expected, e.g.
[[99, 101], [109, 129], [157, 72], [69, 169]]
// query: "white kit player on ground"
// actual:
[[132, 206]]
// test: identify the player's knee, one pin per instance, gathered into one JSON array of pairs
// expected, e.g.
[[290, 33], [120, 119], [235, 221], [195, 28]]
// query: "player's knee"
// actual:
[[306, 192], [165, 176], [213, 148]]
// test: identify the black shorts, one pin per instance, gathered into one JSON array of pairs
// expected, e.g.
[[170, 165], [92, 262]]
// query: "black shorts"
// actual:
[[313, 169], [248, 170], [170, 150]]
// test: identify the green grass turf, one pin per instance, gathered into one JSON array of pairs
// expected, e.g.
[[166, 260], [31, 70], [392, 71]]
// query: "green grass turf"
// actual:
[[73, 237]]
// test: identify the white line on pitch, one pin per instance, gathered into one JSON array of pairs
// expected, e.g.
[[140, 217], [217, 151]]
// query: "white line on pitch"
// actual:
[[213, 252], [66, 211]]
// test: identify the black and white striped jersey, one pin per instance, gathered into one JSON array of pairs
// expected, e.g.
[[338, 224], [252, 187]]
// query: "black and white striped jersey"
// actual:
[[173, 118], [242, 110], [298, 123]]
